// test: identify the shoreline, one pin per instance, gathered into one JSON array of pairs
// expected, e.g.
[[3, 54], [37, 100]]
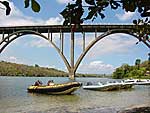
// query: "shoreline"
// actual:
[[64, 109], [136, 109], [59, 76]]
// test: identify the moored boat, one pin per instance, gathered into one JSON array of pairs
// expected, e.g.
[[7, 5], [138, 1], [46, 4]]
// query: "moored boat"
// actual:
[[108, 86], [138, 81], [64, 88]]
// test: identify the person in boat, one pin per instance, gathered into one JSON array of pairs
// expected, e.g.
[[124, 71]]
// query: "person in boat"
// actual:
[[89, 83], [38, 83], [50, 82]]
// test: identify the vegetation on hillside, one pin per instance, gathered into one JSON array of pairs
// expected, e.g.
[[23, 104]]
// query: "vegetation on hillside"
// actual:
[[125, 71], [13, 69], [136, 71]]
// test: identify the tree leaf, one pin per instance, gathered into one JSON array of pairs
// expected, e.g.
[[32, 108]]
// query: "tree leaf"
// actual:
[[6, 4], [26, 3], [140, 9], [8, 10], [145, 14], [135, 22], [132, 7], [66, 22], [114, 4], [91, 13], [146, 19], [139, 21], [64, 13], [102, 3], [78, 1], [102, 15], [91, 2], [35, 6]]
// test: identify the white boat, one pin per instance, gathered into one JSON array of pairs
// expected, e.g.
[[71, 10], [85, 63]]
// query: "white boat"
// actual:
[[108, 86], [138, 81]]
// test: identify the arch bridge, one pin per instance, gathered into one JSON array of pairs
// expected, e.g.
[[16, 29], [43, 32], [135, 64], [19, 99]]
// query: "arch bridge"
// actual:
[[9, 34]]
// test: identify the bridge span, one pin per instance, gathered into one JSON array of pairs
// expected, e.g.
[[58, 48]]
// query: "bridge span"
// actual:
[[65, 29], [10, 33]]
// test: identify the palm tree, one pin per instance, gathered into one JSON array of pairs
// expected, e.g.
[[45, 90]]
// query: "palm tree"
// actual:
[[137, 63], [148, 61]]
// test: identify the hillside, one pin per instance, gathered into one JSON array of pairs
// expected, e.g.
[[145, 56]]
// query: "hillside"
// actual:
[[13, 69]]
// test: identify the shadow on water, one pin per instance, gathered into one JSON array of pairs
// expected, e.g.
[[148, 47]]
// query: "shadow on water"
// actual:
[[50, 98]]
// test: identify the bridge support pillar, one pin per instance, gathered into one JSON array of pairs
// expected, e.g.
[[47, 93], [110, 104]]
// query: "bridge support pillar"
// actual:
[[71, 71], [72, 74]]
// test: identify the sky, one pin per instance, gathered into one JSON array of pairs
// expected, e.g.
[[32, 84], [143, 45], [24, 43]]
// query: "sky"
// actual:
[[108, 54]]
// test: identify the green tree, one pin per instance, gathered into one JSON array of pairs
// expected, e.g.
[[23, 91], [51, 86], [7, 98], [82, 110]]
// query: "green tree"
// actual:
[[93, 8], [126, 68], [137, 73], [76, 13], [118, 74], [126, 71]]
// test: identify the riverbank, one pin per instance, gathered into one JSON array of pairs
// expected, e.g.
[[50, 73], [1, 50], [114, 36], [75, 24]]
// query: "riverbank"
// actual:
[[64, 109], [137, 109]]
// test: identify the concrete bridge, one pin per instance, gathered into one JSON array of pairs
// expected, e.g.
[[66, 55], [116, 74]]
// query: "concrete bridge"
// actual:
[[9, 34]]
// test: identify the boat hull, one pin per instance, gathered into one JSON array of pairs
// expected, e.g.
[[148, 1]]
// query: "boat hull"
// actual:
[[138, 81], [108, 87], [66, 88]]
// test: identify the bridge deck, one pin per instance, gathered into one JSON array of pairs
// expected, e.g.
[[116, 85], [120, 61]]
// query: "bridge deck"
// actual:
[[58, 28]]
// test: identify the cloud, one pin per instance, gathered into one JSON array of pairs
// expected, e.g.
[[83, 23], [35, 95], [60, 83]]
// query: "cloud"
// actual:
[[96, 67], [54, 21], [112, 44], [22, 19], [69, 1], [42, 43], [17, 18], [39, 43], [48, 66], [64, 1], [13, 59], [116, 43], [125, 16]]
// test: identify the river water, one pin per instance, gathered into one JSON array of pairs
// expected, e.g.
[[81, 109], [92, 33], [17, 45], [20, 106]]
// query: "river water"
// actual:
[[14, 97]]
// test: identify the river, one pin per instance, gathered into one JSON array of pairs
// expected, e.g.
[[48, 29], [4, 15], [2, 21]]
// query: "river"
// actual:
[[14, 97]]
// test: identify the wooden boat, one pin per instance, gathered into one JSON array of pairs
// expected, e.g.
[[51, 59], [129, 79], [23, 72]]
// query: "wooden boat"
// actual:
[[108, 86], [64, 88]]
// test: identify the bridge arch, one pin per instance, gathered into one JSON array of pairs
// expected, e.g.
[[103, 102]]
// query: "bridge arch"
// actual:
[[71, 68], [20, 33], [109, 32]]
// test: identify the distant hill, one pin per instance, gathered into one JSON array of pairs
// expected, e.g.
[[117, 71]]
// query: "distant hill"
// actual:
[[13, 69]]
